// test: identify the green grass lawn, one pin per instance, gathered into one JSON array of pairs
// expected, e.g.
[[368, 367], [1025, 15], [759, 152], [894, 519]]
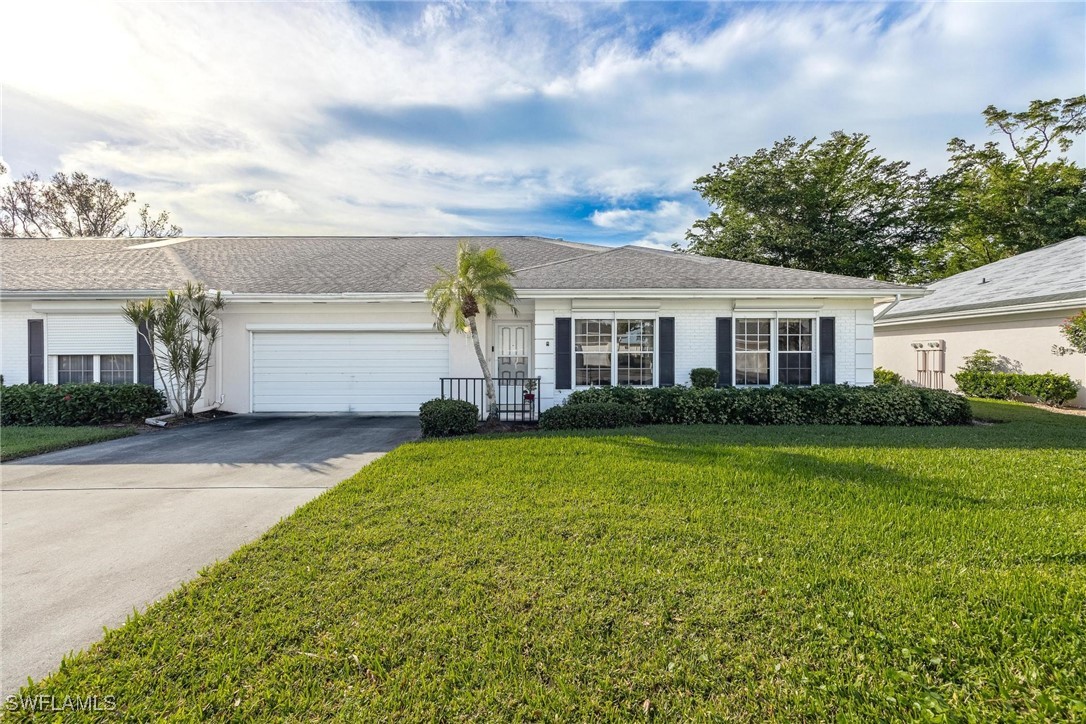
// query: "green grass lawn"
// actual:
[[703, 572], [19, 442]]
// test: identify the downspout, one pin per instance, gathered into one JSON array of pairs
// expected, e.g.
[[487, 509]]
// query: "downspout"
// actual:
[[891, 305]]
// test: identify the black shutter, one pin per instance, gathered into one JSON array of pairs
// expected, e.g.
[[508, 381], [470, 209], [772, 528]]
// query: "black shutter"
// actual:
[[827, 352], [666, 326], [563, 353], [145, 364], [724, 351], [35, 357]]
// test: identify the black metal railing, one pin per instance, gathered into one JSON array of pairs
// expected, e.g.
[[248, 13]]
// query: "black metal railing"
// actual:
[[517, 398]]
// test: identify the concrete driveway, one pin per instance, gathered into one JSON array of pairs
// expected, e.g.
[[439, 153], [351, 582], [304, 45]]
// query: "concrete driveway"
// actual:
[[90, 534]]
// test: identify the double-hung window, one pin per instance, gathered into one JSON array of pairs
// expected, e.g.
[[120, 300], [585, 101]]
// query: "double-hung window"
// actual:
[[770, 351], [75, 368], [612, 351], [109, 369]]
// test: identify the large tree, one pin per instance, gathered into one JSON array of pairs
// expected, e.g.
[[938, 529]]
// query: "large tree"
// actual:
[[74, 205], [1000, 199], [480, 282], [835, 206]]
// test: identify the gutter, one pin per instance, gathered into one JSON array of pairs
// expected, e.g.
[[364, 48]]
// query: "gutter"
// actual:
[[880, 315]]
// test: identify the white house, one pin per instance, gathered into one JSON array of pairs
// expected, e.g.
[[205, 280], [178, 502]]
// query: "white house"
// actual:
[[342, 325], [1012, 307]]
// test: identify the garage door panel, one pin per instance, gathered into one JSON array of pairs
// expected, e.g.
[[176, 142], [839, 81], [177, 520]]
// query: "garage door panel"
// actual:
[[369, 372]]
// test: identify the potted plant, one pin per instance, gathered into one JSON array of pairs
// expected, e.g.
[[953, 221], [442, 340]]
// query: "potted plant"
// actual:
[[529, 390]]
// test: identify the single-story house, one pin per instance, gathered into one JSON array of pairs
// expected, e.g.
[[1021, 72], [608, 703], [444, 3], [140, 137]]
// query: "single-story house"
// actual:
[[341, 324], [1012, 307]]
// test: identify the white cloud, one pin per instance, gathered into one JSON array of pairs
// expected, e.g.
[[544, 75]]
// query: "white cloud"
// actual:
[[195, 105]]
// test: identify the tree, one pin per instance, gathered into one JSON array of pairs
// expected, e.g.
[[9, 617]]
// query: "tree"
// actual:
[[993, 203], [833, 207], [74, 205], [480, 282], [181, 330], [1073, 330]]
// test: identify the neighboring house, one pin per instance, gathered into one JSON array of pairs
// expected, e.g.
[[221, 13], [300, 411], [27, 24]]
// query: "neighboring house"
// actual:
[[342, 324], [1012, 307]]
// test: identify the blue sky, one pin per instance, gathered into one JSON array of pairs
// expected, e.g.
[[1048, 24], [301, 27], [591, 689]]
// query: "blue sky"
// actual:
[[588, 121]]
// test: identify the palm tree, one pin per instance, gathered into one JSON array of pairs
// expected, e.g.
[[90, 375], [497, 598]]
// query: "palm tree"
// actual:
[[480, 282]]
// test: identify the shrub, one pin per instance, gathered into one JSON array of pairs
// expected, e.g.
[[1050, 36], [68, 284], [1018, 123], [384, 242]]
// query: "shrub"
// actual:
[[703, 377], [1049, 388], [980, 361], [447, 418], [782, 405], [82, 404], [589, 415], [887, 377], [1073, 330]]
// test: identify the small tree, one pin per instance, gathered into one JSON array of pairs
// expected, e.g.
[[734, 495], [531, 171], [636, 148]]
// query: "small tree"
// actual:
[[181, 330], [1073, 330], [480, 282]]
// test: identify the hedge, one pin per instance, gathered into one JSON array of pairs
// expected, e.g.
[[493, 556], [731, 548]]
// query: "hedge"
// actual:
[[446, 418], [590, 415], [783, 405], [78, 404], [1049, 388], [703, 377]]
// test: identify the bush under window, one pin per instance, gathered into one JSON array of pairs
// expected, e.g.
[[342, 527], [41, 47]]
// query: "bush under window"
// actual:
[[447, 418], [704, 377], [78, 404]]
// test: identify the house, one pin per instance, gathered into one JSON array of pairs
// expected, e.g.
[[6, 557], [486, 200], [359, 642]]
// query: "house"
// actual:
[[342, 325], [1012, 307]]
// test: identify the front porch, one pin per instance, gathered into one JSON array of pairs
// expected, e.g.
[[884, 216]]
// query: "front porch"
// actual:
[[516, 398]]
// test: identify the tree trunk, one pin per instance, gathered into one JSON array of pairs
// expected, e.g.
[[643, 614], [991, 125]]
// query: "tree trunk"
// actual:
[[491, 403]]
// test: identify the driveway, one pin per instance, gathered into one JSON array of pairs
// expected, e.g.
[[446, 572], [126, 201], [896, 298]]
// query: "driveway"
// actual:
[[90, 534]]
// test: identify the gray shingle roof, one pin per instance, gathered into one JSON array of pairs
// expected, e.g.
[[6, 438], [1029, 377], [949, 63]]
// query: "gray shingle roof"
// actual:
[[1052, 273], [335, 265]]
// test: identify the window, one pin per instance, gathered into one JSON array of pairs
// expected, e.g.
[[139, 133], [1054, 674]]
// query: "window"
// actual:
[[116, 369], [74, 368], [774, 351], [614, 351], [752, 351], [635, 339], [795, 344]]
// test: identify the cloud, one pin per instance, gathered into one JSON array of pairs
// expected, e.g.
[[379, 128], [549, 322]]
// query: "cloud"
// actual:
[[585, 120]]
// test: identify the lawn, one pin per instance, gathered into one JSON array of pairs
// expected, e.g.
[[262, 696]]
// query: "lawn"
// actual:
[[19, 442], [674, 573]]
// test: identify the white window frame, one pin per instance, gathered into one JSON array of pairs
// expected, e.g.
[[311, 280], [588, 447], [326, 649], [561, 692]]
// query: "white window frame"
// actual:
[[54, 366], [774, 334], [614, 318]]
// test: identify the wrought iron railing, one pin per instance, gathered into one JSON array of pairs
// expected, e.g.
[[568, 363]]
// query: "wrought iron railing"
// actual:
[[517, 398]]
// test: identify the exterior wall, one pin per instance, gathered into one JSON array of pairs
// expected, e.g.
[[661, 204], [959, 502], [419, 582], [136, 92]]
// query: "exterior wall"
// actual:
[[1024, 340], [13, 340], [695, 332]]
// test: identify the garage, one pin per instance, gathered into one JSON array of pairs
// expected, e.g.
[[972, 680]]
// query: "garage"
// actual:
[[375, 372]]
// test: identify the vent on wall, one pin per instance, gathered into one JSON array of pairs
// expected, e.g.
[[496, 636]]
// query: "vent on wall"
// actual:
[[930, 362]]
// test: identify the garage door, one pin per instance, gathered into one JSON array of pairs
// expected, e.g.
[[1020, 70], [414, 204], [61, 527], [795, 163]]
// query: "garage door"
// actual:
[[374, 372]]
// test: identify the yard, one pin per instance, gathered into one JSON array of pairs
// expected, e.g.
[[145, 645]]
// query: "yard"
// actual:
[[19, 441], [737, 572]]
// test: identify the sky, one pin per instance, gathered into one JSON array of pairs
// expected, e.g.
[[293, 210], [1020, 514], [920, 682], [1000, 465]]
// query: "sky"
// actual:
[[586, 121]]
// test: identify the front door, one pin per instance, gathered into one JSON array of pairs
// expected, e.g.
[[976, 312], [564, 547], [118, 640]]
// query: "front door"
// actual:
[[513, 351]]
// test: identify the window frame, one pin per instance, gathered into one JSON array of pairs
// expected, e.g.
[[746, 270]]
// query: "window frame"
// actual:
[[614, 318], [774, 338], [131, 371], [96, 368], [82, 369]]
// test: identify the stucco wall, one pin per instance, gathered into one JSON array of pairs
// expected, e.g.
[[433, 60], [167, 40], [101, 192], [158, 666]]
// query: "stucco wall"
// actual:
[[1025, 340]]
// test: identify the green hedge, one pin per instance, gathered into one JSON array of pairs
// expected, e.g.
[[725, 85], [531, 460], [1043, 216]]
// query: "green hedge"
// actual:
[[446, 418], [704, 377], [84, 404], [590, 415], [1049, 388], [818, 405], [887, 377]]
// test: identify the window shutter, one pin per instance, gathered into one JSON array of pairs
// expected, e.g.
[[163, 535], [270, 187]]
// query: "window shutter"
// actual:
[[724, 351], [145, 365], [563, 353], [827, 351], [35, 358], [666, 330]]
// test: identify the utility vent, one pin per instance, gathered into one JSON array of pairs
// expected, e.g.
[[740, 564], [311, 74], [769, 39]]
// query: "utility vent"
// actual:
[[984, 280], [930, 362]]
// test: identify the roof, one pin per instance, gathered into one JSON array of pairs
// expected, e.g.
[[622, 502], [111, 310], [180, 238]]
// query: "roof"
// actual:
[[1051, 274], [360, 265]]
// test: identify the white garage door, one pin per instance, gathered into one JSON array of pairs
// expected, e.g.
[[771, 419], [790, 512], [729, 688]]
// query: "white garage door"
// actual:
[[374, 372]]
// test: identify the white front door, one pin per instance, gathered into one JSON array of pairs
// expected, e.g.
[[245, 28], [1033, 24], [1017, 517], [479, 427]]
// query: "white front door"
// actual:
[[513, 350]]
